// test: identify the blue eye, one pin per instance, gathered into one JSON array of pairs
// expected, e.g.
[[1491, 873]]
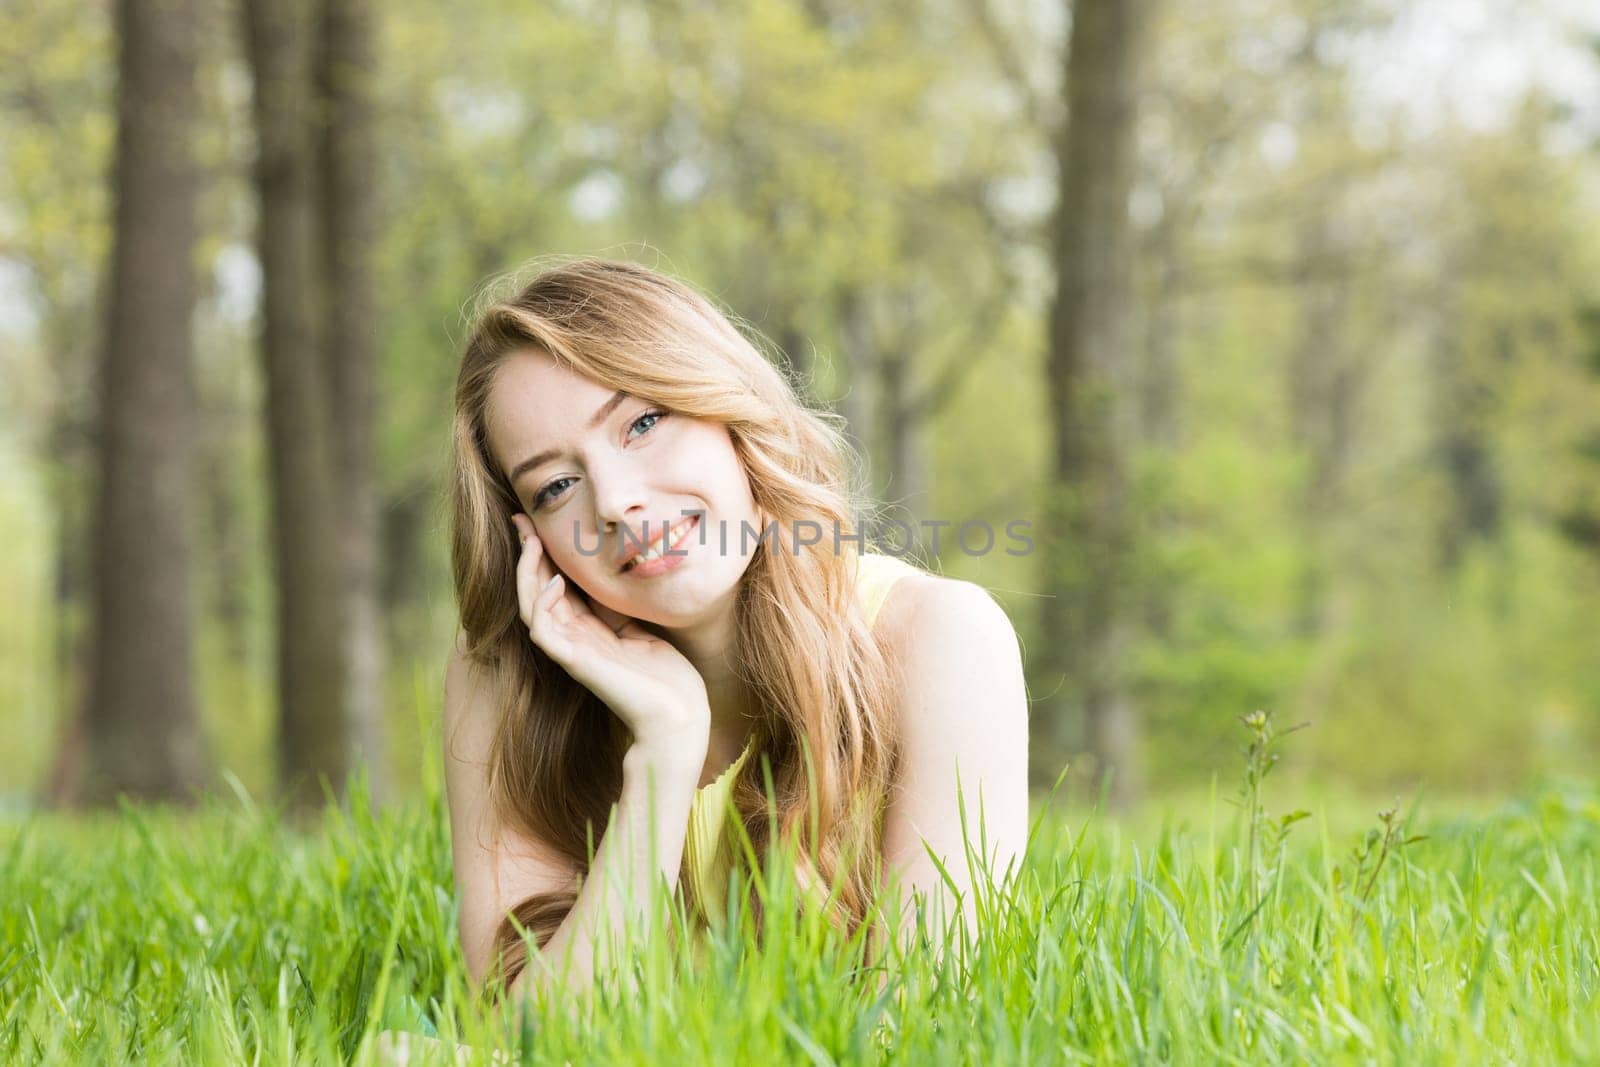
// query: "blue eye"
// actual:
[[549, 490], [657, 415], [552, 490]]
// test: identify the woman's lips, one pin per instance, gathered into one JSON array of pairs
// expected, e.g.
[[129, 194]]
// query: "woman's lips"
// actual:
[[674, 538]]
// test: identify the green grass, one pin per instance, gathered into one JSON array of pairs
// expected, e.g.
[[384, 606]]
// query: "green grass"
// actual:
[[227, 936]]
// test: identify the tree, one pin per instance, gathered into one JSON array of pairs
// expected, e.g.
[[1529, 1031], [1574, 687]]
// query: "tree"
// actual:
[[1087, 622], [313, 731], [58, 126], [144, 732], [346, 157]]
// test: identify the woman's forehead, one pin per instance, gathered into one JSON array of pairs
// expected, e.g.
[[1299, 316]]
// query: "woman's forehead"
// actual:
[[536, 402], [531, 381]]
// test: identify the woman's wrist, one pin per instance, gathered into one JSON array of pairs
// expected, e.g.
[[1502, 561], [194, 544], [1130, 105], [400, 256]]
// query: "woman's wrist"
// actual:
[[674, 749]]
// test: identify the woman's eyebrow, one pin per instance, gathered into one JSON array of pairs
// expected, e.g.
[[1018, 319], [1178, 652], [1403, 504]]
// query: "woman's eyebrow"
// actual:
[[551, 453]]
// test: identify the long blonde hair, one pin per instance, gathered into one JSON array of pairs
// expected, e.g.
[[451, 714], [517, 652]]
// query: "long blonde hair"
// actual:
[[824, 686]]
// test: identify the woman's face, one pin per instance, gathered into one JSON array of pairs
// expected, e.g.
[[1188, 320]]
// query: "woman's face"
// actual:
[[604, 465]]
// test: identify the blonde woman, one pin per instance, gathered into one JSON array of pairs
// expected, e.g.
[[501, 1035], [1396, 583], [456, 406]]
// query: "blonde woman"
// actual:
[[648, 620]]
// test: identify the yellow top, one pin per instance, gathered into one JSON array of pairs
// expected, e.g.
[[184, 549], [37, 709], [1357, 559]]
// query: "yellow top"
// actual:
[[707, 851]]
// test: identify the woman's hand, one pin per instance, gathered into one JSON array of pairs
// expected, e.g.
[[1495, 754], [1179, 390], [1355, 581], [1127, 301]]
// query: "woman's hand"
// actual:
[[644, 680]]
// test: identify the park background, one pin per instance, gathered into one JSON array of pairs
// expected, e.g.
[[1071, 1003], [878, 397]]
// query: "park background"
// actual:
[[1287, 310]]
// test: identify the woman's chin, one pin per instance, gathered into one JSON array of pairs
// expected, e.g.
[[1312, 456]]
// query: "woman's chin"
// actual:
[[682, 608]]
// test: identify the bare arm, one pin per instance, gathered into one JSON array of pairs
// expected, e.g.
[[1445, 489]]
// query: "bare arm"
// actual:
[[966, 715], [497, 866]]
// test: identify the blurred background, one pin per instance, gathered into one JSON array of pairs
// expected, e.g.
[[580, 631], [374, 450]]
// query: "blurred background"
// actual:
[[1277, 320]]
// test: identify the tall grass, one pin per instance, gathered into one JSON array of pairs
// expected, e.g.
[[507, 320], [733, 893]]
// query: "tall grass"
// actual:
[[230, 936]]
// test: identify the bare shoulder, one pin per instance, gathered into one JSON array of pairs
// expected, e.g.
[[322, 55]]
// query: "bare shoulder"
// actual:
[[470, 722], [963, 724], [458, 670], [924, 612], [474, 708], [471, 705], [496, 865], [959, 654]]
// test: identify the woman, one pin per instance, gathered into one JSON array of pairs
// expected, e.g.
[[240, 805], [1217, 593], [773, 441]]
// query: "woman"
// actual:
[[644, 631]]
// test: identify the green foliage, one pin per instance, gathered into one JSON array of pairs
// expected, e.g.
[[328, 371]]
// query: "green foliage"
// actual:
[[227, 936], [800, 160], [1264, 837]]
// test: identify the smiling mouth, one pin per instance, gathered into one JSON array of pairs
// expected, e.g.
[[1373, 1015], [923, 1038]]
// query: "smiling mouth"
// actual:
[[661, 544]]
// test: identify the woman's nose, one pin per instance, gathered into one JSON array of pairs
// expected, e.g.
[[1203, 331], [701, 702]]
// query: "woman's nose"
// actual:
[[619, 498]]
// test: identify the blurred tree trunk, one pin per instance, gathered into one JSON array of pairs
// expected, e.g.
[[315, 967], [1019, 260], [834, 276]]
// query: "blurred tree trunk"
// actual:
[[895, 392], [347, 159], [1463, 404], [859, 404], [1160, 392], [143, 725], [70, 444], [909, 481], [1578, 516], [313, 728], [1322, 399], [1086, 621], [1327, 368], [1160, 378]]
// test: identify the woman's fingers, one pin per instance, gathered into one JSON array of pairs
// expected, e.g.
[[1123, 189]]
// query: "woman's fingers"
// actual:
[[544, 627], [549, 596], [524, 527], [533, 571], [554, 614]]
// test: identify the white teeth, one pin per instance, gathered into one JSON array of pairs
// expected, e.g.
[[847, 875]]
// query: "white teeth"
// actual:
[[657, 552]]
